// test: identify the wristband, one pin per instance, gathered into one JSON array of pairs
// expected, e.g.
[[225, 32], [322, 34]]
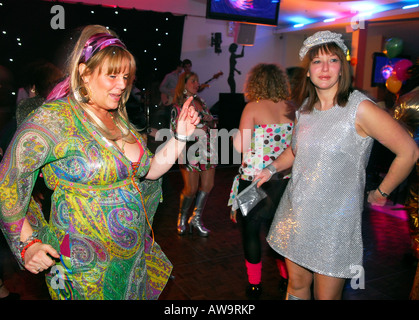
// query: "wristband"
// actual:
[[385, 195], [22, 254], [181, 137], [22, 244], [271, 169]]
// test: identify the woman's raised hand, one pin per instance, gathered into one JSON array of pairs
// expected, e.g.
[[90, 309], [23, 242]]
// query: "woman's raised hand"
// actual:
[[188, 119]]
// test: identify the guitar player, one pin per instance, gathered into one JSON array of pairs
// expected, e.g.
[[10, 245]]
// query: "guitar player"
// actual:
[[168, 85]]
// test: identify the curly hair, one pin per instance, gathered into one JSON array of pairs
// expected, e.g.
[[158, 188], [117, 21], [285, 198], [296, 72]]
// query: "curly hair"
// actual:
[[267, 82]]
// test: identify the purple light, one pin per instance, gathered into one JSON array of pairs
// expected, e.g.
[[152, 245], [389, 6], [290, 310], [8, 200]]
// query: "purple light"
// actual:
[[241, 4], [386, 71]]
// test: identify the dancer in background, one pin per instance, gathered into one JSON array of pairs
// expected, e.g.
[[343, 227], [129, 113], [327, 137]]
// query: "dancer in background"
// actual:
[[44, 76], [265, 132], [317, 226], [198, 163]]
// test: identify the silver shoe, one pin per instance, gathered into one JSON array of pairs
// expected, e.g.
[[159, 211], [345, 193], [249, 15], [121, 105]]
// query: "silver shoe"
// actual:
[[195, 221], [185, 205]]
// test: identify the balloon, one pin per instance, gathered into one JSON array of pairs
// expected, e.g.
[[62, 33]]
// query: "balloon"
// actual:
[[393, 47], [400, 69], [393, 84]]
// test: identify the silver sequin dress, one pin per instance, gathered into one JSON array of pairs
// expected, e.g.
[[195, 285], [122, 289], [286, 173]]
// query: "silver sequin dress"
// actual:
[[318, 222]]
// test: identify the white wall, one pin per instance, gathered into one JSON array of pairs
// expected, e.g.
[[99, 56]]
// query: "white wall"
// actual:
[[269, 47], [196, 46]]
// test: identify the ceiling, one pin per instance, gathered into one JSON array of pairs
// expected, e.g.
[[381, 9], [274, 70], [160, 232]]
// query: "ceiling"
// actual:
[[310, 13], [297, 15]]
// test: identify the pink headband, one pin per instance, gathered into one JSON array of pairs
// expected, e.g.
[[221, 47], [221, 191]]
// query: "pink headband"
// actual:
[[95, 43], [98, 42]]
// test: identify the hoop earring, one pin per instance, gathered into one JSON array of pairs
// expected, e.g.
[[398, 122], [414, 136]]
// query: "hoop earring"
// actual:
[[81, 94], [185, 91]]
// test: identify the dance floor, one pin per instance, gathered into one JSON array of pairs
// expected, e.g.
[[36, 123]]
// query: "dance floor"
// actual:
[[213, 268]]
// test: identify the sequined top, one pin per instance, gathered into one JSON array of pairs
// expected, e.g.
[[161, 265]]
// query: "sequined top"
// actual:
[[101, 212], [268, 142], [318, 222]]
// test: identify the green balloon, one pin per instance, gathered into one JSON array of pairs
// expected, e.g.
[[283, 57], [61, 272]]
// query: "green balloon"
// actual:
[[394, 47]]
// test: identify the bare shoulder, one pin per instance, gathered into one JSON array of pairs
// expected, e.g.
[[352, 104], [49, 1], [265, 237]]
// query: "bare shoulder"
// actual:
[[368, 111], [373, 121]]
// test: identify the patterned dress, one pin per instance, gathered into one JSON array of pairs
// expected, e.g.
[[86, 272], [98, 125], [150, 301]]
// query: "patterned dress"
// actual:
[[102, 207], [318, 222], [268, 142], [201, 154]]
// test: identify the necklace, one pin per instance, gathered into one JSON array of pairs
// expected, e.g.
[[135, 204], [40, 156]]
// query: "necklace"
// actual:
[[122, 147]]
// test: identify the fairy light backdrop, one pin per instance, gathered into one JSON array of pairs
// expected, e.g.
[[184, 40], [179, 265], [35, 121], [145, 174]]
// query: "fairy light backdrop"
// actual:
[[26, 35]]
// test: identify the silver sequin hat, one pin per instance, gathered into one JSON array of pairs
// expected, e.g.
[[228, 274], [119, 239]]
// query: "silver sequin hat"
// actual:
[[320, 38]]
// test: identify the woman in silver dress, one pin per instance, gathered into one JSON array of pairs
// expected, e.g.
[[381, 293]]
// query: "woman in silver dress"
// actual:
[[317, 226]]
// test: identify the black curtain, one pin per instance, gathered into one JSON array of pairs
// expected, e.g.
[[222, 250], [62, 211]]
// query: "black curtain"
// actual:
[[26, 35]]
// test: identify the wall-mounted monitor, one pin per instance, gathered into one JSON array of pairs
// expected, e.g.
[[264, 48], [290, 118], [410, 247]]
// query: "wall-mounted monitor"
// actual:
[[382, 68], [263, 12]]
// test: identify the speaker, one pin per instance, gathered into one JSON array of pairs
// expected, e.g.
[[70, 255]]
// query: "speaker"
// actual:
[[245, 34]]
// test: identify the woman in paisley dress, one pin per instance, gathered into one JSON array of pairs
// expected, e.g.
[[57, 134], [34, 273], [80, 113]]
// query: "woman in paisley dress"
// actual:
[[317, 226], [98, 243], [198, 162], [264, 133]]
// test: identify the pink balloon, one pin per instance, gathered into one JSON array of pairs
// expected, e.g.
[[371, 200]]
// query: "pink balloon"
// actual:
[[400, 69]]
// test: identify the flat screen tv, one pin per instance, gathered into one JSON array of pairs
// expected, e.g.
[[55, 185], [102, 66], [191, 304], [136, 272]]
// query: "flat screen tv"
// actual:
[[382, 68], [263, 12]]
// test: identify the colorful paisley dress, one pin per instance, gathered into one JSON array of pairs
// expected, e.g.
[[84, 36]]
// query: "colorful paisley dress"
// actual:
[[102, 207]]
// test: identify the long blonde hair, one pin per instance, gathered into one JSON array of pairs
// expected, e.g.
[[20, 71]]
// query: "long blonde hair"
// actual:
[[115, 53]]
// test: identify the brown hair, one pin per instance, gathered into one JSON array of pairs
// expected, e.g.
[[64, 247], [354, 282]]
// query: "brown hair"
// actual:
[[267, 82], [308, 90]]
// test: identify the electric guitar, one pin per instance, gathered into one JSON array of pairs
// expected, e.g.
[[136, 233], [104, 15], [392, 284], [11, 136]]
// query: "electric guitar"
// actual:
[[167, 100], [206, 83]]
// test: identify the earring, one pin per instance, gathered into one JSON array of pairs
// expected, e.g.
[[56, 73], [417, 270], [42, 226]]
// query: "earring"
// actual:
[[81, 94], [185, 91]]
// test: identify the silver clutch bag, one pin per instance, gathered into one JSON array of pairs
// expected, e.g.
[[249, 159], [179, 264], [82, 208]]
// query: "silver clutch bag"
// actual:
[[249, 198]]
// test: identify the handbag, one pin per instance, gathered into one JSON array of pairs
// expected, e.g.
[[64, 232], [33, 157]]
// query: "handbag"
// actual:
[[249, 198]]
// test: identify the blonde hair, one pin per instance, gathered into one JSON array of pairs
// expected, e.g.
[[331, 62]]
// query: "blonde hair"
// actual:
[[115, 56]]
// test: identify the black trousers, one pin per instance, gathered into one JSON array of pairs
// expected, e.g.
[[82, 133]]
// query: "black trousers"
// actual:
[[261, 215]]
